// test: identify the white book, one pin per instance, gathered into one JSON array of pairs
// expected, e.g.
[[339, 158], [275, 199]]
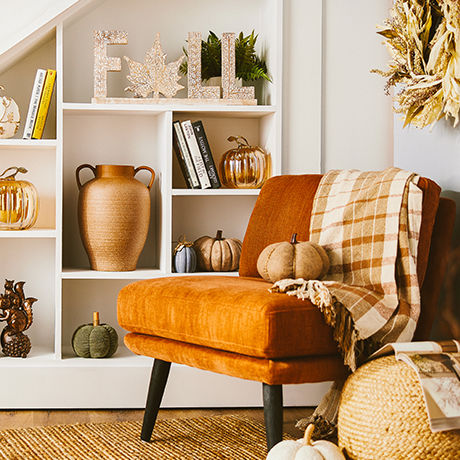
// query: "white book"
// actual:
[[195, 153], [34, 103], [187, 157]]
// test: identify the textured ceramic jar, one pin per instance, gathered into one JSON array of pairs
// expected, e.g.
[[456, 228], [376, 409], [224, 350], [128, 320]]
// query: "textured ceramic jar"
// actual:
[[113, 214]]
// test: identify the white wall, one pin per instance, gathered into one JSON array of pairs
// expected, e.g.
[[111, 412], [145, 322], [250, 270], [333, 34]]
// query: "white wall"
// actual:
[[357, 129], [302, 76], [356, 115], [21, 17]]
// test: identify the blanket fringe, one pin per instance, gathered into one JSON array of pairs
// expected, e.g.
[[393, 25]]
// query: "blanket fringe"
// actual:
[[353, 350], [325, 416], [334, 313]]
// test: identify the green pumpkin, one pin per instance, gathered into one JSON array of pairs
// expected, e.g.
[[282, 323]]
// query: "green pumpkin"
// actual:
[[95, 340]]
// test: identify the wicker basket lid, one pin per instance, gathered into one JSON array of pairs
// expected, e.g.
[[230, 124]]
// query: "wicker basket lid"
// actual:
[[382, 415]]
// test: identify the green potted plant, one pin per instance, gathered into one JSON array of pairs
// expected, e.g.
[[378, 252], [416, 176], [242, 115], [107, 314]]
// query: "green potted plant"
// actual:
[[249, 66]]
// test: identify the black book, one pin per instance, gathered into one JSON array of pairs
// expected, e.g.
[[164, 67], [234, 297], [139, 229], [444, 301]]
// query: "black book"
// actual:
[[205, 150], [183, 157]]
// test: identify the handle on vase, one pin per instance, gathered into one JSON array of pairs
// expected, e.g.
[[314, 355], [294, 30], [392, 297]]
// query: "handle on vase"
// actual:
[[152, 172], [77, 173]]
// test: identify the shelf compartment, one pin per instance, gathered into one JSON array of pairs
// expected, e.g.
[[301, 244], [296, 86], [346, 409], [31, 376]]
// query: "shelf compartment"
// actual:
[[31, 233], [33, 260], [210, 213], [260, 15], [41, 172], [19, 78], [109, 139], [259, 131], [81, 297]]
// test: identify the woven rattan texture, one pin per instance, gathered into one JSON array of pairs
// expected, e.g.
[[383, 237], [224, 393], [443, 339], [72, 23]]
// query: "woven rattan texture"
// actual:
[[220, 437], [382, 415]]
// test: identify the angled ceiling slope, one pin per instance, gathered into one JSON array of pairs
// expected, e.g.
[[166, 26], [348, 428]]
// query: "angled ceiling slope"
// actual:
[[27, 23]]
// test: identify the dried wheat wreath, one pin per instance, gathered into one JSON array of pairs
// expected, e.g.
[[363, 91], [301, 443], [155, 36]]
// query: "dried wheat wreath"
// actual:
[[423, 37]]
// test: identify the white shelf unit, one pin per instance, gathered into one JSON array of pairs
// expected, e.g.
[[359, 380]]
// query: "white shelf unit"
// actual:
[[51, 258]]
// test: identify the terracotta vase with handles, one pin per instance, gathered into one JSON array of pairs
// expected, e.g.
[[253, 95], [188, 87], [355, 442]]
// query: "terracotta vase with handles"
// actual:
[[113, 215]]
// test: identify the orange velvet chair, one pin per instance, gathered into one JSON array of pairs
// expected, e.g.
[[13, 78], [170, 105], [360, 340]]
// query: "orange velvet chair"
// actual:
[[234, 326]]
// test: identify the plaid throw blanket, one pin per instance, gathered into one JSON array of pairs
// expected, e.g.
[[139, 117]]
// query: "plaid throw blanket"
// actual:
[[369, 224]]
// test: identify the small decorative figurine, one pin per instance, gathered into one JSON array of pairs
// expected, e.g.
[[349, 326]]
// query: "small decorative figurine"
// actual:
[[184, 256], [9, 116], [16, 310], [19, 201], [245, 166]]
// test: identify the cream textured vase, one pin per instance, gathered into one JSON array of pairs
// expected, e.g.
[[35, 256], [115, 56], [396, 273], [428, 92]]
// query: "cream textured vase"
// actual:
[[113, 215]]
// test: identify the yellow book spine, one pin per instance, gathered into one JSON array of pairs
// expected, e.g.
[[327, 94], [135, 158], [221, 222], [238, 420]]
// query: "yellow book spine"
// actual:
[[44, 104]]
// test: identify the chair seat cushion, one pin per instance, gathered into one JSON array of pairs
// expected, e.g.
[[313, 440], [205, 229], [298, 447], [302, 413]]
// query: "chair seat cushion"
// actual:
[[234, 314]]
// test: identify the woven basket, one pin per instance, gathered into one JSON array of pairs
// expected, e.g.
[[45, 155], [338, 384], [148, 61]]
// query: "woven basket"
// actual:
[[382, 415]]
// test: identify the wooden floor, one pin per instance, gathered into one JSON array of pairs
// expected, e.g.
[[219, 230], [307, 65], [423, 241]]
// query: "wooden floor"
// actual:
[[29, 418]]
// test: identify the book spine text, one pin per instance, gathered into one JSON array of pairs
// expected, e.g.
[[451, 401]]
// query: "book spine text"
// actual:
[[44, 104], [205, 150], [195, 153], [34, 102], [188, 163]]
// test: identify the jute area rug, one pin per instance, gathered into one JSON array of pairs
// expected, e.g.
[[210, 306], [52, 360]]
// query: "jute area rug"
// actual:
[[219, 437]]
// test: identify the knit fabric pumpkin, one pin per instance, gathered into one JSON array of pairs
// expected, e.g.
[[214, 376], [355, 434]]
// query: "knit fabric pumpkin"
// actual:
[[95, 340], [217, 254], [293, 259]]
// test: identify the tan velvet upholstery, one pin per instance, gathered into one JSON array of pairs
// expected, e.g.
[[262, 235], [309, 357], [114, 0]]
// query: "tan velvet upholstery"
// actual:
[[271, 371], [232, 325], [226, 313], [283, 208]]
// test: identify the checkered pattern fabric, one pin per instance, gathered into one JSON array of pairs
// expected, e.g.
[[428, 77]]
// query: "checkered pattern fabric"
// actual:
[[369, 224]]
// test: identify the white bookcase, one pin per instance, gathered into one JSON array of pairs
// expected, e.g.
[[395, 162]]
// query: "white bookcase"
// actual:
[[51, 258]]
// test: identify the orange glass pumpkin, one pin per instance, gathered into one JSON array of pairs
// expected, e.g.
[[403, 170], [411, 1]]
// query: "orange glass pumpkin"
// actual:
[[18, 201], [245, 166]]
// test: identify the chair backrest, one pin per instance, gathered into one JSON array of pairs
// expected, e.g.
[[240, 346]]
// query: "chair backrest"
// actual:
[[284, 207]]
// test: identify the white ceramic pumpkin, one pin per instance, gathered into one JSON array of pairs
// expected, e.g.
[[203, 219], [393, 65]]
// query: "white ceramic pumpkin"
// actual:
[[305, 449], [9, 116]]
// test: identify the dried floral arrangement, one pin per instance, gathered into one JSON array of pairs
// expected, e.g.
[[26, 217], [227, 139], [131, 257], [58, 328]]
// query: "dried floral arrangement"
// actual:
[[423, 37]]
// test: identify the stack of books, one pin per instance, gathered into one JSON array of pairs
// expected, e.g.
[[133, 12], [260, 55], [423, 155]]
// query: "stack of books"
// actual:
[[39, 103], [194, 155]]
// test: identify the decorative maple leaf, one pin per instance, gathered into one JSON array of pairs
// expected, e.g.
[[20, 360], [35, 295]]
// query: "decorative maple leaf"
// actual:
[[154, 74]]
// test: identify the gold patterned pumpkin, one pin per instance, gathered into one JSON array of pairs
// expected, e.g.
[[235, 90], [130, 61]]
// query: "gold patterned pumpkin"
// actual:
[[245, 166], [18, 201], [217, 254], [9, 116]]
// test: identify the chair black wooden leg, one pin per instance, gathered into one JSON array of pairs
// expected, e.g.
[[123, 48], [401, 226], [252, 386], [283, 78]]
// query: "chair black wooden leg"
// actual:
[[160, 372], [273, 413]]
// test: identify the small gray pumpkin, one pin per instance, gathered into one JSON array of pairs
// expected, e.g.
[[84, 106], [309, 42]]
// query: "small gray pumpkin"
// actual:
[[95, 340], [184, 257]]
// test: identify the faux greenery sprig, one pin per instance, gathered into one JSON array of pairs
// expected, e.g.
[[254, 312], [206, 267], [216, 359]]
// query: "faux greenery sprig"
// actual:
[[249, 66]]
